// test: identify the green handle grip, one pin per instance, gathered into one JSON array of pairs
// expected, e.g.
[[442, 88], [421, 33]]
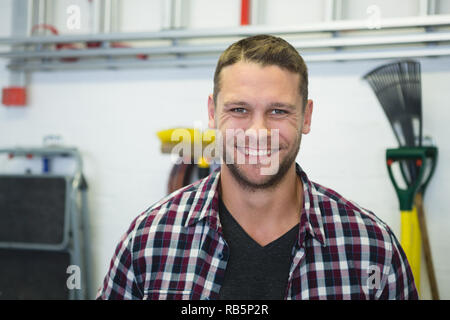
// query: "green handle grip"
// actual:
[[420, 154]]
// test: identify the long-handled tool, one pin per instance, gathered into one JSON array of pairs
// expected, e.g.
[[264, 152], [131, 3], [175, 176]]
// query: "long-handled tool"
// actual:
[[413, 222], [418, 202], [398, 89]]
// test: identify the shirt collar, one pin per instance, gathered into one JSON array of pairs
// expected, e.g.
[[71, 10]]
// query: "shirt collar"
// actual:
[[205, 205], [205, 202], [311, 217]]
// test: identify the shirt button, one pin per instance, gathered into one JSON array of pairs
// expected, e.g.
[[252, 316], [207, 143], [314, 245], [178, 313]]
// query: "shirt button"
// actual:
[[220, 255]]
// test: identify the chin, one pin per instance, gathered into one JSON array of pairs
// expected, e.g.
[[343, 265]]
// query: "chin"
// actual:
[[257, 176], [249, 177]]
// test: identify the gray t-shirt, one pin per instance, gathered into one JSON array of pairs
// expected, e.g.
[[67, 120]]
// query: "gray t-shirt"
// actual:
[[254, 272]]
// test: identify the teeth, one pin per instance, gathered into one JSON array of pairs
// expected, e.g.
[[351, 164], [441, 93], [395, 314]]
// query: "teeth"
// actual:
[[260, 153], [255, 152]]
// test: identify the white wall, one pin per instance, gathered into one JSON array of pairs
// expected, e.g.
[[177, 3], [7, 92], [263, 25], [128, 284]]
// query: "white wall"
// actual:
[[357, 9], [214, 13], [300, 12], [113, 117]]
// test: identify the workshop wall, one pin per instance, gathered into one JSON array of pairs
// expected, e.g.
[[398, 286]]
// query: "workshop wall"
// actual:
[[113, 116]]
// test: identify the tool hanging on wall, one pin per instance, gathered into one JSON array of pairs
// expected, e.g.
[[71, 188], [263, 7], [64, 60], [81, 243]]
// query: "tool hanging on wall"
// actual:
[[188, 145], [413, 226], [398, 89]]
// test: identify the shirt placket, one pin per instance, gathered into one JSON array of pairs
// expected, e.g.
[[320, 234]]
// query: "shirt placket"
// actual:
[[295, 284]]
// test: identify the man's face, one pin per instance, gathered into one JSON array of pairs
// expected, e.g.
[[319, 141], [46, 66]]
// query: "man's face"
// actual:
[[258, 103]]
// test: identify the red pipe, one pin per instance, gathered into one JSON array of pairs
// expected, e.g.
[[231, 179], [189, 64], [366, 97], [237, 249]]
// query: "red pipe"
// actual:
[[245, 12]]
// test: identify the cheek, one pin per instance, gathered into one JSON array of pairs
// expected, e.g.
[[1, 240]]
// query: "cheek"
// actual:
[[290, 139], [223, 120], [288, 130], [229, 122]]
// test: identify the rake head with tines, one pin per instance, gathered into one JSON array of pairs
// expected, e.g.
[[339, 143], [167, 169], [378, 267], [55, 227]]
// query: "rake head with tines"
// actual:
[[398, 89]]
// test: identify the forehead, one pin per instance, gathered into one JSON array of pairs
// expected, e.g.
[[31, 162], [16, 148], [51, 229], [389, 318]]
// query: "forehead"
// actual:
[[252, 79]]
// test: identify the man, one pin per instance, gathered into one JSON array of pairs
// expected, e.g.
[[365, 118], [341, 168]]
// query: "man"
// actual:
[[242, 233]]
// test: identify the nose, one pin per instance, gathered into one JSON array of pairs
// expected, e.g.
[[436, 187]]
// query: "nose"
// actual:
[[257, 133]]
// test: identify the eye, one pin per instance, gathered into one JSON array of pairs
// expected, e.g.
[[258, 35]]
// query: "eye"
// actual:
[[278, 111], [239, 110]]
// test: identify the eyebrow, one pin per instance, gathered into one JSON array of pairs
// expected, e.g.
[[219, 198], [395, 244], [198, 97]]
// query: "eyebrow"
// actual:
[[282, 105], [270, 105], [236, 103]]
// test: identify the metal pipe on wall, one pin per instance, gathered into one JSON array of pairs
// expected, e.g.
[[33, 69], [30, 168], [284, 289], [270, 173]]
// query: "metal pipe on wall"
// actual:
[[333, 35], [356, 25]]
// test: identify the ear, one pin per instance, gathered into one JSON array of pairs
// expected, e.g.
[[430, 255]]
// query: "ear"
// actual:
[[307, 116], [211, 112]]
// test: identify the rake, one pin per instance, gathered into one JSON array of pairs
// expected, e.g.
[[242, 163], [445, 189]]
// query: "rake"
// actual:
[[398, 88]]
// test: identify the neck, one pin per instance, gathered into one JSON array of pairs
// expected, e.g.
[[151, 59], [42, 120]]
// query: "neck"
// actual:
[[271, 211]]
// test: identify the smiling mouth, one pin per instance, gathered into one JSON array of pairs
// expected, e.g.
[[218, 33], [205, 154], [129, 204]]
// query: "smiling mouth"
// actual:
[[256, 152]]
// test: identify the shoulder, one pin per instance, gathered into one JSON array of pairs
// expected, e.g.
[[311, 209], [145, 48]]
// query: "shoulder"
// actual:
[[172, 210], [352, 221], [367, 242]]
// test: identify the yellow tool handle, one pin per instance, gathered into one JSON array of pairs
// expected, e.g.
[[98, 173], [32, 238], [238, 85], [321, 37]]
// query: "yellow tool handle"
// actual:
[[410, 239]]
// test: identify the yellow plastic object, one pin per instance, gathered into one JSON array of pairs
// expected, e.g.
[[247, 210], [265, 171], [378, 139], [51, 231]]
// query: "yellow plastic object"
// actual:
[[202, 163], [178, 134], [209, 136], [410, 239]]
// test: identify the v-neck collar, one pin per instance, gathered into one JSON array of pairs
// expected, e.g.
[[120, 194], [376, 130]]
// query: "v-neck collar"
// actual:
[[246, 235], [205, 205]]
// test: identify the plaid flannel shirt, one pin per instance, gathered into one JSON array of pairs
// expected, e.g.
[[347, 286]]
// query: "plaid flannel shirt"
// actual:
[[175, 250]]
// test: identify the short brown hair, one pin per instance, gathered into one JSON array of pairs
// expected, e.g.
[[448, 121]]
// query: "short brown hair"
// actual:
[[265, 50]]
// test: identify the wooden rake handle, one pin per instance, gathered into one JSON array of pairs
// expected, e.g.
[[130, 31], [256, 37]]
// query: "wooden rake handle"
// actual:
[[418, 201]]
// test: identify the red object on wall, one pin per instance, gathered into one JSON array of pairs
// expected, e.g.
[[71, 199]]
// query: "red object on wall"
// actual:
[[245, 12], [59, 46], [14, 96], [123, 45]]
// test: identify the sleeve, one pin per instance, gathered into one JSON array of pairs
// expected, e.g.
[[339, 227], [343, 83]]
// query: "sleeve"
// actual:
[[120, 281], [400, 281]]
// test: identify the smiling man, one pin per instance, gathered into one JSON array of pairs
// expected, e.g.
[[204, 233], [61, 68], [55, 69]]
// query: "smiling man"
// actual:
[[245, 232]]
